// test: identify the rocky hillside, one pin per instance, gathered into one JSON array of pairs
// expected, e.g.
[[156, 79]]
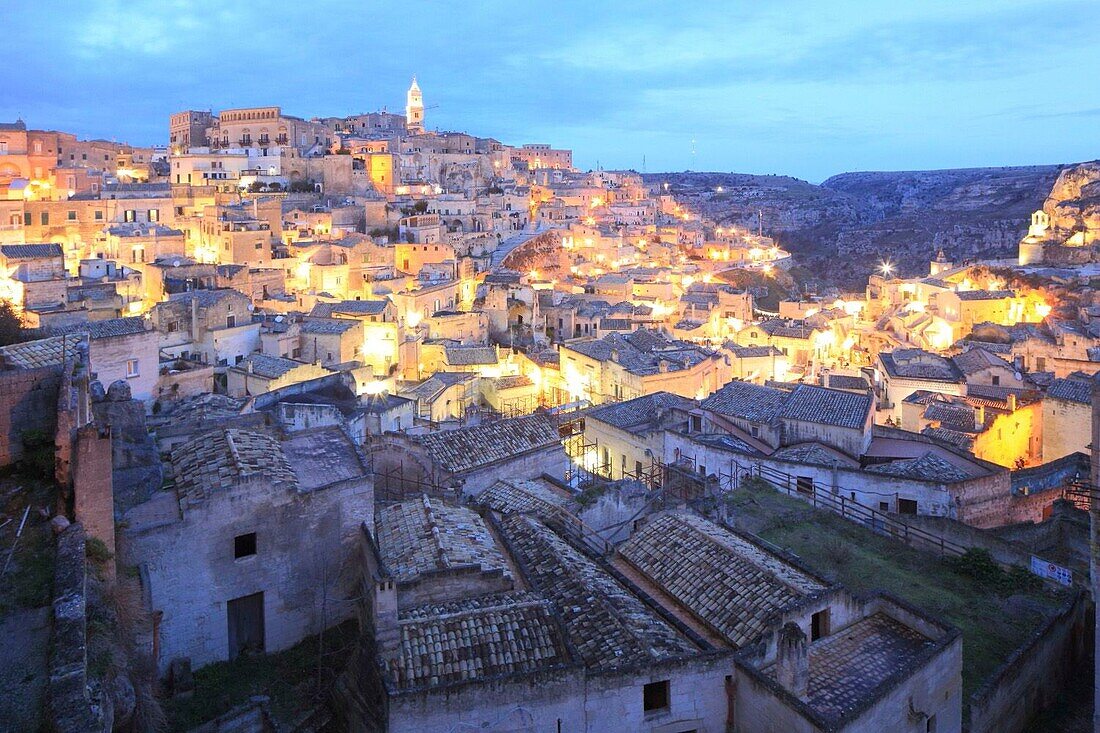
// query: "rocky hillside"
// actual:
[[841, 230], [1074, 201]]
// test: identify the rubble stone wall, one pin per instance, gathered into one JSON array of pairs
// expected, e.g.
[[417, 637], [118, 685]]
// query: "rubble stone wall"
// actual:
[[28, 401]]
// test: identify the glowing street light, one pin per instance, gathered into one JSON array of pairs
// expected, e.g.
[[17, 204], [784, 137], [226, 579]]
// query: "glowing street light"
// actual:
[[886, 269]]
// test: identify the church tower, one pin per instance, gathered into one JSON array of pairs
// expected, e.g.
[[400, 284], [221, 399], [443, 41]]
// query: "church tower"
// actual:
[[414, 109]]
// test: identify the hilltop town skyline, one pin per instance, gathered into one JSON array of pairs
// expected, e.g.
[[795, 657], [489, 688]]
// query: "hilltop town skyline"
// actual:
[[790, 89]]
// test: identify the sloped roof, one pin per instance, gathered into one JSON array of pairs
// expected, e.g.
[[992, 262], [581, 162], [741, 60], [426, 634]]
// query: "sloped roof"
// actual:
[[424, 535], [523, 496], [350, 307], [928, 467], [109, 328], [40, 352], [827, 406], [215, 460], [1071, 390], [328, 325], [468, 448], [919, 364], [735, 585], [480, 638], [607, 624], [746, 400], [470, 355], [641, 414], [31, 251], [267, 366]]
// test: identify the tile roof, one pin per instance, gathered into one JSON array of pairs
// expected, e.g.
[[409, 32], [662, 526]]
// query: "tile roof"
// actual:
[[425, 535], [641, 352], [267, 366], [746, 400], [322, 456], [919, 364], [328, 325], [350, 307], [928, 467], [494, 636], [25, 251], [40, 352], [827, 407], [815, 453], [751, 352], [607, 624], [524, 496], [470, 355], [975, 360], [642, 414], [512, 381], [110, 328], [846, 381], [206, 298], [468, 448], [984, 294], [733, 584], [215, 460], [1071, 390], [432, 387], [851, 666]]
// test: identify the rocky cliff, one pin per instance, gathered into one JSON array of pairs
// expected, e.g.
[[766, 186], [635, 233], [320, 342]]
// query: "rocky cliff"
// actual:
[[843, 228]]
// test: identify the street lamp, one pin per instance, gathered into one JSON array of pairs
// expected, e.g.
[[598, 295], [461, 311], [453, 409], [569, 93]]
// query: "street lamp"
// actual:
[[886, 269]]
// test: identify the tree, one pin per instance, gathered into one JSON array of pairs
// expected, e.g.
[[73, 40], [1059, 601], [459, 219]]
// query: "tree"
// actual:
[[11, 327]]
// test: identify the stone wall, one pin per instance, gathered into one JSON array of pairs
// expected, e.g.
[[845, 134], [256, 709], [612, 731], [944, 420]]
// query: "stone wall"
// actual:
[[73, 705], [93, 487], [28, 401], [1034, 676]]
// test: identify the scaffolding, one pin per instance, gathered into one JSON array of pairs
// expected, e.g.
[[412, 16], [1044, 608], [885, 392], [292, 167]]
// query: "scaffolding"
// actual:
[[398, 484]]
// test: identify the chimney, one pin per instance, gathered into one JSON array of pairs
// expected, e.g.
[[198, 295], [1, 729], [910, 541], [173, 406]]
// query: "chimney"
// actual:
[[250, 366], [792, 661], [979, 418], [1012, 402], [662, 366], [615, 355]]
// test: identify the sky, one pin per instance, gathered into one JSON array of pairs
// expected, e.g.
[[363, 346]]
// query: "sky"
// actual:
[[797, 87]]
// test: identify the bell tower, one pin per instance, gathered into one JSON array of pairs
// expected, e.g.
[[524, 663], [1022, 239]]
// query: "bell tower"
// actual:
[[414, 109]]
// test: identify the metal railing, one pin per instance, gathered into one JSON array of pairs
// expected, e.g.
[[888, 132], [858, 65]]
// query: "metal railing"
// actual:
[[879, 522]]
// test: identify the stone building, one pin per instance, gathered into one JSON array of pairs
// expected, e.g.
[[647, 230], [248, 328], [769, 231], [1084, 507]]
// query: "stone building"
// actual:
[[471, 459], [508, 620], [122, 349], [1067, 416], [245, 550]]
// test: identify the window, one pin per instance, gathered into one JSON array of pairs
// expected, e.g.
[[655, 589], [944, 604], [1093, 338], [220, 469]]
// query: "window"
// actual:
[[805, 484], [907, 506], [996, 380], [819, 625], [230, 321], [655, 697], [884, 506], [696, 423], [44, 218], [131, 368], [71, 215], [244, 545], [98, 215], [130, 215], [173, 326], [154, 214]]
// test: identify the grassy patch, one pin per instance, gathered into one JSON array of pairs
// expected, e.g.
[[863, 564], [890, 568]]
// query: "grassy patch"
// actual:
[[28, 582], [994, 610], [291, 679]]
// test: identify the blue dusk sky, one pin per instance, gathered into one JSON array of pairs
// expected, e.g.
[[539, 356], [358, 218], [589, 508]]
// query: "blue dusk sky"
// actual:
[[806, 88]]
